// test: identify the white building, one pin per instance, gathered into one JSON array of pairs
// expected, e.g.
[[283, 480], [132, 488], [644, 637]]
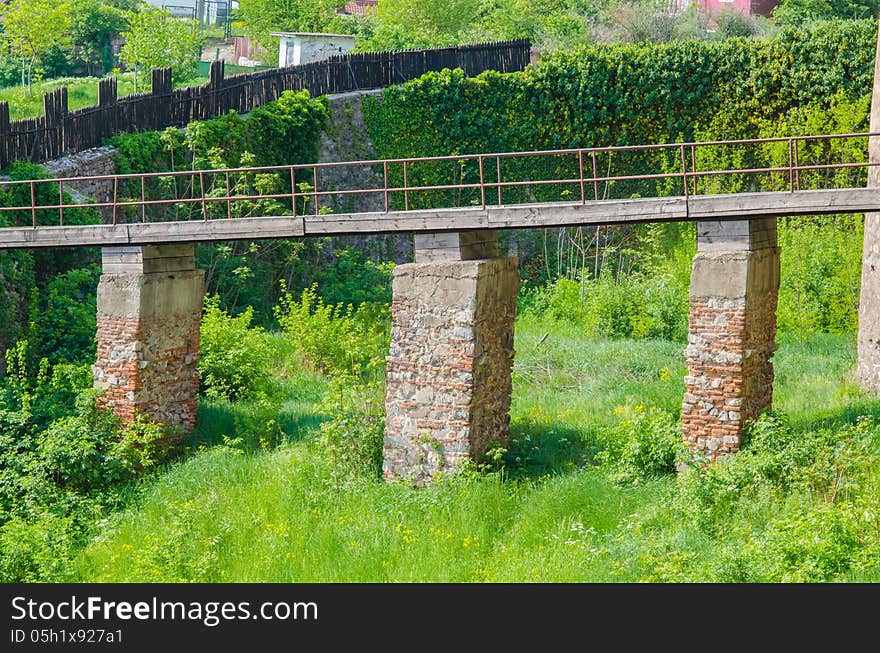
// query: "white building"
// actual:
[[299, 48]]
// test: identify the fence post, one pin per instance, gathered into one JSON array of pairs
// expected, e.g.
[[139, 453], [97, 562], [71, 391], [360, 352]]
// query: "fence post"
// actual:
[[107, 92], [55, 109], [5, 135], [215, 83], [161, 91]]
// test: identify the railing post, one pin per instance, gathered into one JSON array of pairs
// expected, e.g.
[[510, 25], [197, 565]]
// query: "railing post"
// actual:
[[595, 176], [33, 205], [482, 181], [292, 188], [315, 189], [143, 199], [385, 174], [115, 198], [498, 170], [684, 178], [791, 164], [405, 188], [581, 170], [202, 191]]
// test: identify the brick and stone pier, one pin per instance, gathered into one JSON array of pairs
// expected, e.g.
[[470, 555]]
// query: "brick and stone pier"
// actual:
[[732, 333], [149, 313], [448, 379]]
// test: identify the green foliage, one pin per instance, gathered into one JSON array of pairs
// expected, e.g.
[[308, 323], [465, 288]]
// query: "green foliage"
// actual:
[[235, 357], [335, 339], [407, 24], [156, 40], [348, 345], [798, 12], [94, 24], [259, 17], [638, 306], [821, 273], [288, 128], [352, 278], [585, 97], [46, 296], [285, 131], [66, 321], [63, 464], [642, 444], [351, 437], [32, 27]]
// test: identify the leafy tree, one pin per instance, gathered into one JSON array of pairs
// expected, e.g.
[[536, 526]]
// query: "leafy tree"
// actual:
[[155, 40], [259, 17], [94, 23], [32, 27], [795, 12], [424, 23]]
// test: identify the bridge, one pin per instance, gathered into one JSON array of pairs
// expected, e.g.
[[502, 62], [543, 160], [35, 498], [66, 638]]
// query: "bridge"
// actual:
[[448, 379]]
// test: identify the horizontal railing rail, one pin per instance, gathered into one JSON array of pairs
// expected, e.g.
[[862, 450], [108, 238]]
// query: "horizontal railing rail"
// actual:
[[578, 175]]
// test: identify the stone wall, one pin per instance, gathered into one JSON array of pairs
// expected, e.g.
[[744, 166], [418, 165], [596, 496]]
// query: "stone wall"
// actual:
[[89, 163], [346, 139], [734, 293], [149, 314], [448, 379]]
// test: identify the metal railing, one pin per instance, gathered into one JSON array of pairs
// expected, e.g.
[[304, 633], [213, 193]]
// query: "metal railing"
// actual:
[[491, 179]]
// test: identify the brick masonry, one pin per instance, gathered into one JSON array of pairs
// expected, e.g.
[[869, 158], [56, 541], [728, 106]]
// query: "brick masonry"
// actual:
[[148, 344], [732, 337], [448, 379]]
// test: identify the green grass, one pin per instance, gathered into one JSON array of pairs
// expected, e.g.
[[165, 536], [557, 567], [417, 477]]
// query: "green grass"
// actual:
[[243, 514], [81, 92]]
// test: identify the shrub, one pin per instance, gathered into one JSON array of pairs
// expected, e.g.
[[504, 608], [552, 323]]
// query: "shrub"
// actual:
[[638, 306], [643, 444], [336, 339], [236, 358], [826, 465], [352, 436]]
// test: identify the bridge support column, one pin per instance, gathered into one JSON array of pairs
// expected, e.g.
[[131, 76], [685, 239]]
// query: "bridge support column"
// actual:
[[869, 301], [448, 379], [732, 333], [149, 313]]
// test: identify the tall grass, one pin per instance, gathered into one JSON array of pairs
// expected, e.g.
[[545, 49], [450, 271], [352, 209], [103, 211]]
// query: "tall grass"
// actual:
[[232, 513]]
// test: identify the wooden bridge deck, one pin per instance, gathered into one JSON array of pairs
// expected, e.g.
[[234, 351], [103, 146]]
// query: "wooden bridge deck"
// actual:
[[523, 216]]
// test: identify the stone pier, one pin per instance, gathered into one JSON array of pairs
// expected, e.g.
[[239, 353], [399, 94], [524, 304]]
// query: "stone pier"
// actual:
[[732, 334], [448, 379], [149, 313], [869, 301]]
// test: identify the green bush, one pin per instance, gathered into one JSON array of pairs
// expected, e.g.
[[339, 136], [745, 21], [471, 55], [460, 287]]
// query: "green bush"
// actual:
[[235, 357], [335, 339], [351, 438], [63, 464], [639, 306], [642, 444], [826, 464]]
